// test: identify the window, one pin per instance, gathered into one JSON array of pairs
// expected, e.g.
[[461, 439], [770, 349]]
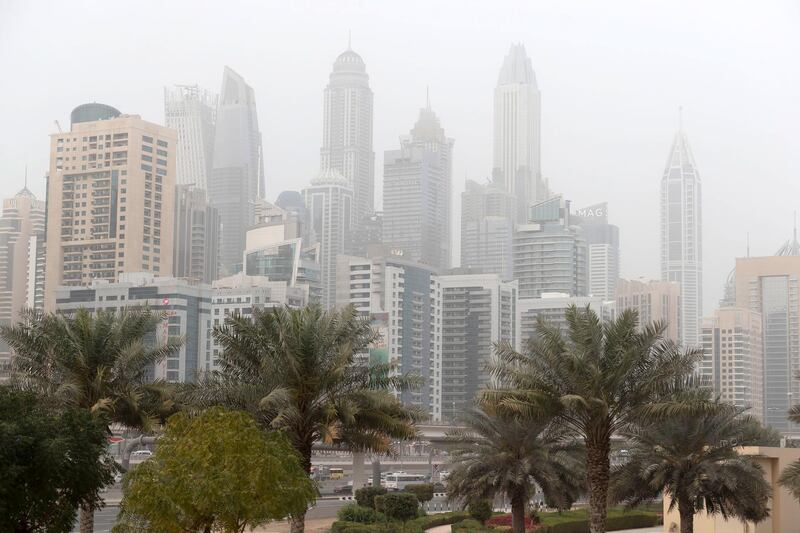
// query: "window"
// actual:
[[162, 144], [147, 139], [146, 148]]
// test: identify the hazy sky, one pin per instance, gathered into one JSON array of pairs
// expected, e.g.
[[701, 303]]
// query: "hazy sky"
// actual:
[[612, 76]]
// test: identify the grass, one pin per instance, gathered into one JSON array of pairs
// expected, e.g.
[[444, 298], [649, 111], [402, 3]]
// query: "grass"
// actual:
[[551, 519]]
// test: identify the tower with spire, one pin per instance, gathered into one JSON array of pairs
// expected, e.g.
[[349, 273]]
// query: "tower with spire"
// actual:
[[682, 233], [417, 188], [347, 129], [517, 132]]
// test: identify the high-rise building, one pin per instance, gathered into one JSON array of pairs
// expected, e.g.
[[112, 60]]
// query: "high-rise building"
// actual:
[[196, 238], [416, 193], [654, 301], [517, 132], [190, 110], [403, 300], [329, 202], [366, 237], [733, 359], [550, 252], [682, 235], [110, 202], [487, 229], [552, 307], [478, 311], [602, 242], [21, 261], [770, 286], [237, 175], [347, 130]]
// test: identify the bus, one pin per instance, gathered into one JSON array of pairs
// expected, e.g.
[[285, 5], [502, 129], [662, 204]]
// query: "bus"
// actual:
[[399, 480]]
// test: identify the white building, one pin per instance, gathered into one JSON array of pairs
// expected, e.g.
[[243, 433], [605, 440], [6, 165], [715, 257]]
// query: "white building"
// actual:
[[517, 131], [347, 130], [191, 110], [682, 235], [552, 307]]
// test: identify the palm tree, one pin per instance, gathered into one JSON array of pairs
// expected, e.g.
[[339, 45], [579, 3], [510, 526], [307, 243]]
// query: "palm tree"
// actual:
[[694, 459], [99, 363], [502, 454], [596, 380], [294, 370], [790, 477]]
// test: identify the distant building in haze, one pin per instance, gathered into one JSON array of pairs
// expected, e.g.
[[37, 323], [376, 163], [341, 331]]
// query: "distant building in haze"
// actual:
[[416, 193], [196, 237], [191, 110], [237, 176], [552, 306], [682, 234], [487, 229], [347, 130], [110, 202], [654, 301], [602, 242]]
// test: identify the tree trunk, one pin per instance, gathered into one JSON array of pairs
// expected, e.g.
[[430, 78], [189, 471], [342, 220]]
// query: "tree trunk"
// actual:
[[597, 476], [298, 523], [686, 511], [87, 519], [518, 502]]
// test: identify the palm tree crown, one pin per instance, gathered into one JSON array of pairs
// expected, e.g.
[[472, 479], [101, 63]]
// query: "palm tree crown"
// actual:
[[695, 460], [597, 379], [506, 455], [790, 477]]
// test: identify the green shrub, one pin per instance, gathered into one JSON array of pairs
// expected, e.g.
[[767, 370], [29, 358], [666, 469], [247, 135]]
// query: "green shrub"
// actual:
[[365, 496], [352, 512], [418, 525], [480, 510], [401, 506], [613, 523], [423, 491], [470, 525]]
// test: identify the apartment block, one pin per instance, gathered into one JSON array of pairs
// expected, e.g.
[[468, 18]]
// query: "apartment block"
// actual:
[[654, 301]]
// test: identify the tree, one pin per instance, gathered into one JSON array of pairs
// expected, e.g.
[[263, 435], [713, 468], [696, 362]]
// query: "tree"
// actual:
[[52, 460], [480, 510], [294, 370], [423, 491], [365, 496], [694, 460], [215, 472], [790, 477], [501, 453], [597, 380], [401, 506], [96, 363]]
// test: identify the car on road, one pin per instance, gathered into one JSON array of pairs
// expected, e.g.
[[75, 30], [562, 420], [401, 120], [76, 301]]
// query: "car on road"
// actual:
[[343, 489], [141, 454]]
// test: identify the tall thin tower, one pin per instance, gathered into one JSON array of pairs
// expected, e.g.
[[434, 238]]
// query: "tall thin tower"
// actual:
[[517, 132], [682, 235], [190, 110], [347, 130]]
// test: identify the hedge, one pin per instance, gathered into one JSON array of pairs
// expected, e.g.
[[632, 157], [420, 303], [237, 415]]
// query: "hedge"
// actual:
[[613, 523], [418, 525]]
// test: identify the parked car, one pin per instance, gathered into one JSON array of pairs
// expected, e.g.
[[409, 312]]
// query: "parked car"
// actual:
[[141, 454], [343, 489]]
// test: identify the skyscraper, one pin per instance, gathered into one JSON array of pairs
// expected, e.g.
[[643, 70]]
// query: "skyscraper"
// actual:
[[110, 201], [416, 193], [190, 110], [329, 202], [487, 229], [602, 241], [550, 252], [517, 132], [347, 130], [21, 260], [196, 239], [653, 301], [237, 176], [682, 234]]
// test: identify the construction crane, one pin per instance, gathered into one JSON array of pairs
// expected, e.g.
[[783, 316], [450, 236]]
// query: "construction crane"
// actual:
[[58, 126]]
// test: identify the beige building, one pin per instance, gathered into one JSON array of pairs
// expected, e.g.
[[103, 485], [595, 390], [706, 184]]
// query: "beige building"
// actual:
[[733, 357], [784, 509], [654, 300], [21, 260], [770, 286], [111, 200]]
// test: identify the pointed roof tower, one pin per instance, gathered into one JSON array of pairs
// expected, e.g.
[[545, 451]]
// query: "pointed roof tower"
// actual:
[[517, 67], [680, 155]]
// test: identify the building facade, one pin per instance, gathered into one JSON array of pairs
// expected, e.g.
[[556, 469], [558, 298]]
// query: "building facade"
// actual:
[[487, 229], [550, 253], [478, 310], [21, 261], [654, 301], [196, 237], [552, 308], [733, 359], [237, 175], [682, 234], [329, 201], [347, 130], [191, 111], [602, 243], [110, 202], [770, 286], [416, 193], [517, 132]]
